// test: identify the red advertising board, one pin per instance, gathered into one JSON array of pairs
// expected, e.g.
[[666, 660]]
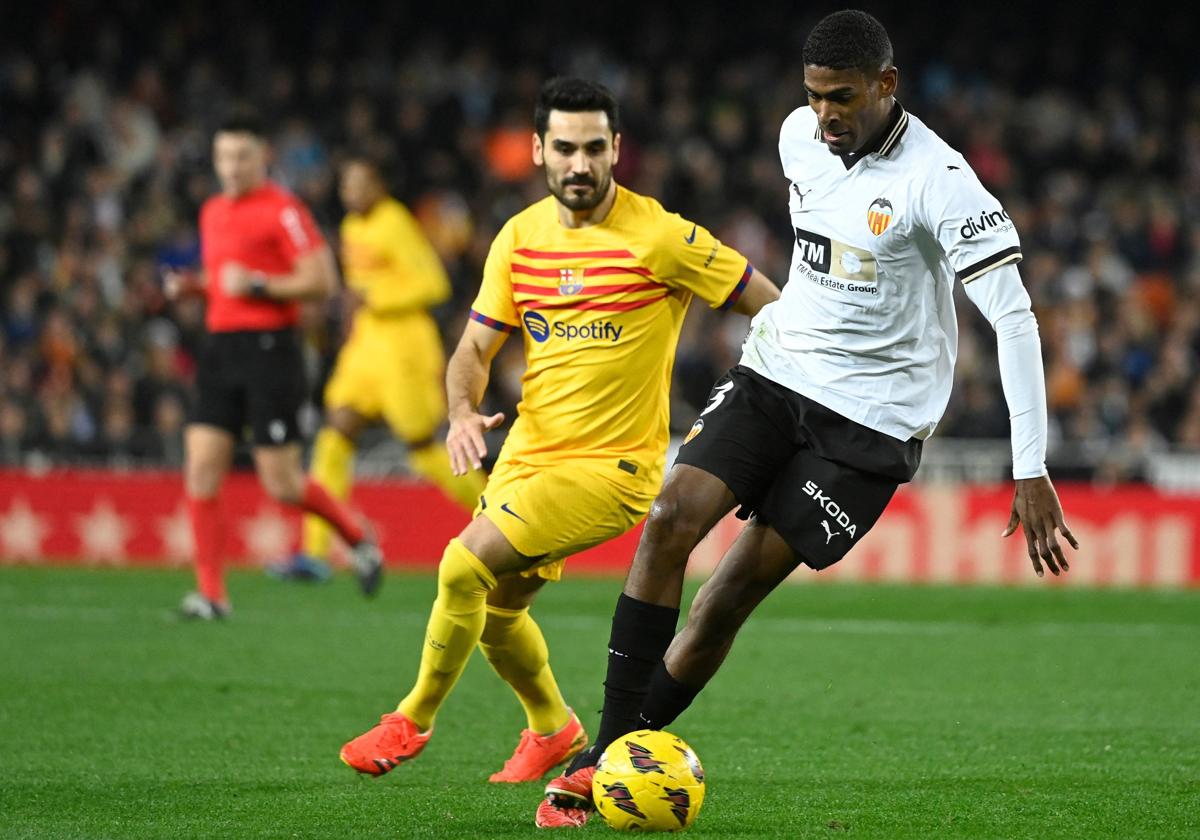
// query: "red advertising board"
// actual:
[[1130, 536]]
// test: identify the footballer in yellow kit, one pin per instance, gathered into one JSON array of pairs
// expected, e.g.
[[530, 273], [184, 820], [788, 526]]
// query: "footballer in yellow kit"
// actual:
[[392, 363], [597, 279], [600, 309]]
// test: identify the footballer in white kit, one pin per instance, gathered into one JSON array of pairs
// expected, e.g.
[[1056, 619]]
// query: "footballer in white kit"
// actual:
[[840, 382]]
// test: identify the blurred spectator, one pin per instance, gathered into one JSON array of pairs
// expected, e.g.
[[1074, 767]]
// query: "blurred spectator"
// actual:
[[1089, 133]]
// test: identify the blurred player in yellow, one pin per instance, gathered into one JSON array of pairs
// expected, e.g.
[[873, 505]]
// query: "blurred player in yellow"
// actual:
[[598, 278], [392, 364]]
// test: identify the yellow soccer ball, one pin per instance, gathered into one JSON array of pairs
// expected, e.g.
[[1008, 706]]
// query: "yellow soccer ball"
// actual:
[[648, 781]]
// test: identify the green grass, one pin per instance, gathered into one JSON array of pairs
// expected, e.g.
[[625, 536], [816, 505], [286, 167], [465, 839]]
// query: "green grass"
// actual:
[[844, 711]]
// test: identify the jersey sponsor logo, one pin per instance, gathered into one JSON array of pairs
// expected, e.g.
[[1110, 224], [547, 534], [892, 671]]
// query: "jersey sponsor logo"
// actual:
[[879, 215], [537, 326], [996, 221], [814, 249], [836, 265], [595, 331], [696, 429], [833, 509], [568, 282]]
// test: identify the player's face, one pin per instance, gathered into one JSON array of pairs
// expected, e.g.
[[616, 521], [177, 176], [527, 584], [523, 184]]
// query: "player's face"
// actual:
[[240, 160], [578, 151], [358, 188], [850, 105]]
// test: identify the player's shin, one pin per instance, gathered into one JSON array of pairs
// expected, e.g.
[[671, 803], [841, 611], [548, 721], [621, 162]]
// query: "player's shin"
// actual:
[[333, 469], [455, 627], [641, 633], [514, 645], [666, 699]]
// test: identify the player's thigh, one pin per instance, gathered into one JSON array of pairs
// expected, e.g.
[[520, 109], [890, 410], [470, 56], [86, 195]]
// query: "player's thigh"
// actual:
[[412, 392], [742, 437], [549, 513], [758, 561], [823, 508], [220, 392], [276, 388], [354, 384]]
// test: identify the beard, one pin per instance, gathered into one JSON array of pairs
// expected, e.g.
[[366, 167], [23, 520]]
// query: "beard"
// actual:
[[580, 201]]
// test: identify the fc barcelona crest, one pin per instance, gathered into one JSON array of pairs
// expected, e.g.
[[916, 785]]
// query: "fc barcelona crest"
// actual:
[[567, 282], [879, 215]]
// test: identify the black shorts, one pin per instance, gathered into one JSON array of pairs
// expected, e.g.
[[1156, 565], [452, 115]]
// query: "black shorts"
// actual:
[[818, 478], [254, 378]]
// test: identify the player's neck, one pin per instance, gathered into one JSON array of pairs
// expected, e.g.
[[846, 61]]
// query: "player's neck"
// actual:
[[588, 218]]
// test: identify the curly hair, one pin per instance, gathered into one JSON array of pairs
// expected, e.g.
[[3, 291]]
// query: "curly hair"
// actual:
[[849, 40]]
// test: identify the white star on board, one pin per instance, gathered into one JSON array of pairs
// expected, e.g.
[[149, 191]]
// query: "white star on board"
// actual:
[[103, 533], [22, 531], [267, 535]]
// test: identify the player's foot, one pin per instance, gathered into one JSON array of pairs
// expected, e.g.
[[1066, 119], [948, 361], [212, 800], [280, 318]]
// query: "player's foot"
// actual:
[[385, 746], [548, 816], [537, 754], [195, 605], [572, 790], [301, 566], [367, 560]]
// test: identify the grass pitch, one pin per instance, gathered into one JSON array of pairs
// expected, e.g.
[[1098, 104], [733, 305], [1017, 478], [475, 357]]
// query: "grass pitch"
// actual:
[[844, 711]]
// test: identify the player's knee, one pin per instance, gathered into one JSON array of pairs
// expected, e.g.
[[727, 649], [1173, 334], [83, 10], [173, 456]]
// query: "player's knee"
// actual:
[[462, 574], [201, 480], [670, 521], [284, 488]]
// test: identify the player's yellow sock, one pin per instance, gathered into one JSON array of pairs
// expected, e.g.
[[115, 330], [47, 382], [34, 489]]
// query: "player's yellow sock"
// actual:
[[514, 645], [455, 625], [333, 468], [433, 463]]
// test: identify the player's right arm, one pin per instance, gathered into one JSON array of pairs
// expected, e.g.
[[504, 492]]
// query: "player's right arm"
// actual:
[[493, 316], [466, 380]]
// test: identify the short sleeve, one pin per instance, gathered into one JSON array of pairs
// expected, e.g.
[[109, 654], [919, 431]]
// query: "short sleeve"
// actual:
[[972, 228], [298, 233], [494, 305], [688, 256]]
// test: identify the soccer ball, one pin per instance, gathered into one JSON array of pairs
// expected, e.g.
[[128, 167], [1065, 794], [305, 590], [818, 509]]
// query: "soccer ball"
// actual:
[[648, 781]]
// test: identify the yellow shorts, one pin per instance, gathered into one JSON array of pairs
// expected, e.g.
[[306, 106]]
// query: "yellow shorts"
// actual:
[[392, 369], [550, 513]]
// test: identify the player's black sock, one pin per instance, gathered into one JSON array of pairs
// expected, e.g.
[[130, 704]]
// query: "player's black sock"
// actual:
[[641, 634], [666, 700]]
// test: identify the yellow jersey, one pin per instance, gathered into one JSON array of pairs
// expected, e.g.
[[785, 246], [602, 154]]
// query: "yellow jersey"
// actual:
[[600, 309], [389, 261]]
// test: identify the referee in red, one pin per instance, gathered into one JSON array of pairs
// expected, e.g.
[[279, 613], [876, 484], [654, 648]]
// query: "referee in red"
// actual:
[[262, 255]]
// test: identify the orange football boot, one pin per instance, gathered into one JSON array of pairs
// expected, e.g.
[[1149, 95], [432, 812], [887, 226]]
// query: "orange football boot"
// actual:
[[537, 754], [385, 746]]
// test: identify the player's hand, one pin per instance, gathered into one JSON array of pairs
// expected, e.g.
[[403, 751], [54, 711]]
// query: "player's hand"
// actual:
[[1036, 508], [235, 279], [465, 440], [176, 282]]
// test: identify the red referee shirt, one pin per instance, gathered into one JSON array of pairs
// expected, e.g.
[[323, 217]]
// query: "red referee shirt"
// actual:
[[266, 230]]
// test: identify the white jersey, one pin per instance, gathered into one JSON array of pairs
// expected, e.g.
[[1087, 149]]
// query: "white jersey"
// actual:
[[866, 324]]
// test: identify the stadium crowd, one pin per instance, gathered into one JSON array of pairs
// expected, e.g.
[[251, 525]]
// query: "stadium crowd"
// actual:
[[1091, 140]]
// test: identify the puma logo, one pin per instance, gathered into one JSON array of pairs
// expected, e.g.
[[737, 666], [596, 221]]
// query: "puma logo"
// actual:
[[829, 532]]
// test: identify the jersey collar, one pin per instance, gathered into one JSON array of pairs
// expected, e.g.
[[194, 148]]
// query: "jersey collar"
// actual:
[[885, 141]]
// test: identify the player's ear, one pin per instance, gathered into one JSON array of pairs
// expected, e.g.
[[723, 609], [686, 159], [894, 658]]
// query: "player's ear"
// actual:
[[539, 159], [889, 80], [616, 148]]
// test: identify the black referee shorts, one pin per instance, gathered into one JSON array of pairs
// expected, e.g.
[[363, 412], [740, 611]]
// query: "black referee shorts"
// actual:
[[253, 378], [818, 478]]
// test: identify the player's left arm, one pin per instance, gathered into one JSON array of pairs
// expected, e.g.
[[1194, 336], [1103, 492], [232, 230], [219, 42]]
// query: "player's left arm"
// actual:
[[689, 256], [1001, 297], [760, 290]]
